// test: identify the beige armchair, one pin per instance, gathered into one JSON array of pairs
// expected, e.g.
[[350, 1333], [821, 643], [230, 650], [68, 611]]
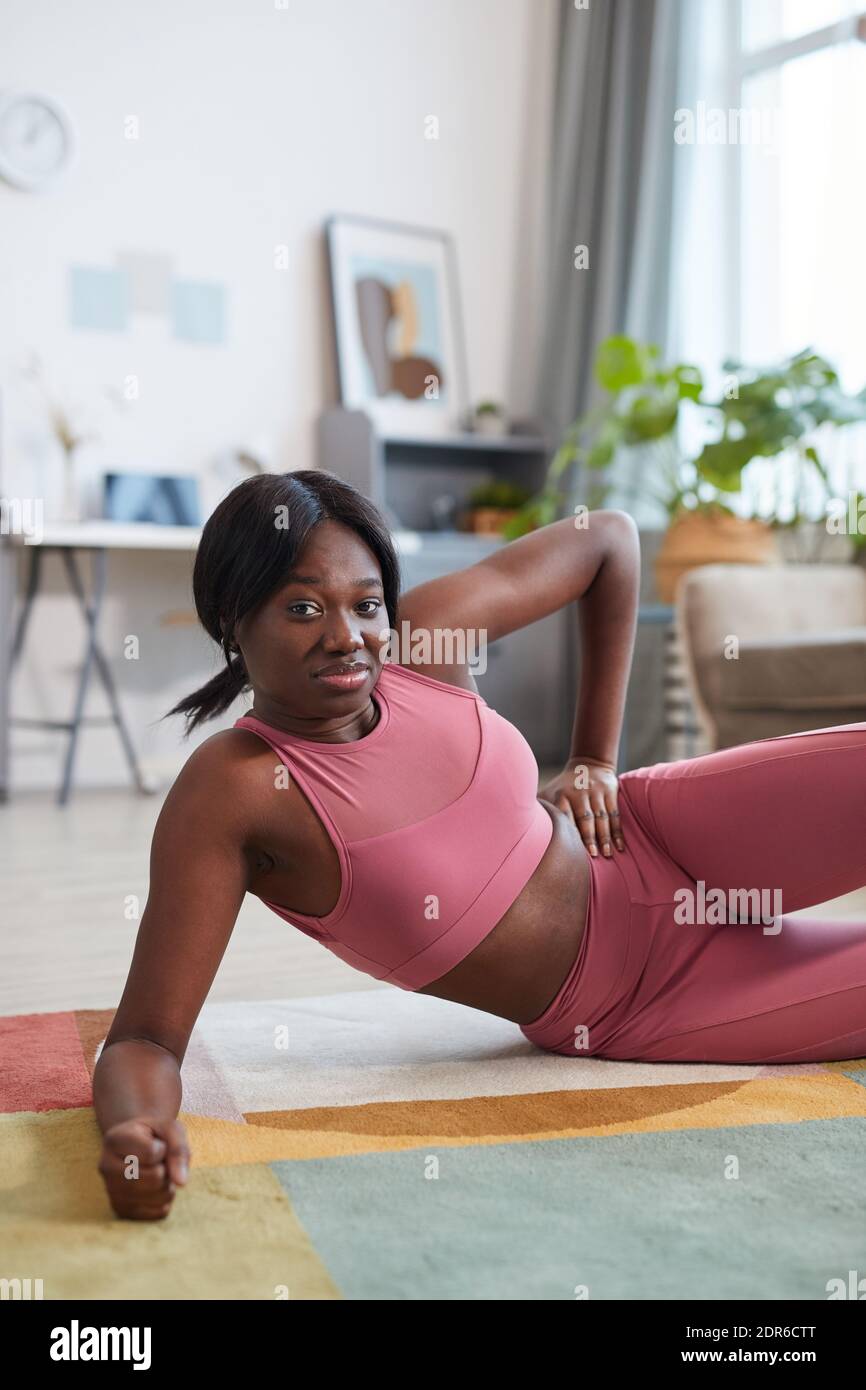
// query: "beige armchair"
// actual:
[[773, 649]]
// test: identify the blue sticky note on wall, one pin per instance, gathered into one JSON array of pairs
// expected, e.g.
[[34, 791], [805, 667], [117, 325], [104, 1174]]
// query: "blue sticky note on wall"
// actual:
[[98, 298], [198, 311]]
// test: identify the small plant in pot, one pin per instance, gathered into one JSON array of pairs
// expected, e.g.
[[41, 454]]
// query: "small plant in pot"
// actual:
[[492, 505], [489, 418], [763, 413]]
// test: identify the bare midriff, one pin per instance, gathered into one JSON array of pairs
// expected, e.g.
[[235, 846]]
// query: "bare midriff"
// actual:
[[518, 968]]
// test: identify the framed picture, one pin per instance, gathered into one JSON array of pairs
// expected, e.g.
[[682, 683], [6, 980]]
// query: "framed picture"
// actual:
[[398, 326]]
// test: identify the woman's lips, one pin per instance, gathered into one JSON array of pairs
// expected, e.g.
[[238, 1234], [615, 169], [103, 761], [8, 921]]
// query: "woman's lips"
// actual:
[[352, 679]]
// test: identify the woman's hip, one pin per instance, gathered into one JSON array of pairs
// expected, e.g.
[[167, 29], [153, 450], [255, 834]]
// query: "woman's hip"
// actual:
[[656, 956], [667, 971], [613, 945]]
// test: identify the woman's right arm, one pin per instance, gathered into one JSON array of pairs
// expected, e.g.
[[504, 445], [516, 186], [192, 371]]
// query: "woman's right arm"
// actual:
[[199, 872]]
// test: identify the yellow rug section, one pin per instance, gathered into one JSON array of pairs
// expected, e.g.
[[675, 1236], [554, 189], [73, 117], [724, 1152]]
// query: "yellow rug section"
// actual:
[[233, 1236]]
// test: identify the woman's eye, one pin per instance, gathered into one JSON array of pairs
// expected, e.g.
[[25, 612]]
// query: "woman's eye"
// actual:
[[301, 604]]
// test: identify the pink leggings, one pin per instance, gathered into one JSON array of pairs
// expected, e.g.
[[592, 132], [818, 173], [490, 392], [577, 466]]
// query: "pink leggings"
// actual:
[[777, 825]]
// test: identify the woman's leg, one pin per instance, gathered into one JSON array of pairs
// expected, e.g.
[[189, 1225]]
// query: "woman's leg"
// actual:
[[786, 813], [783, 816]]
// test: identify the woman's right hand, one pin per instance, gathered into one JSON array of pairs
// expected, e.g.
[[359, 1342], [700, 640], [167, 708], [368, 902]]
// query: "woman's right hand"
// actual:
[[143, 1161], [587, 792]]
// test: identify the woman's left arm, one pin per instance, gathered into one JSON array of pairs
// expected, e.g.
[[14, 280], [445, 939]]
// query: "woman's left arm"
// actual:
[[597, 562]]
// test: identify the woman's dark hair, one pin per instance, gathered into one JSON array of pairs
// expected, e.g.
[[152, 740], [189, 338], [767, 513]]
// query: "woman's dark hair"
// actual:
[[248, 545]]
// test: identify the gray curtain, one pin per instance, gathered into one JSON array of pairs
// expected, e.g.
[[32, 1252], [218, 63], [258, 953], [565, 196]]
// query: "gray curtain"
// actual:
[[599, 115], [612, 190]]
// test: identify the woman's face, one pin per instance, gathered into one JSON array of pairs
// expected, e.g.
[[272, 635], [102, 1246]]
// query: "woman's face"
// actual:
[[313, 650]]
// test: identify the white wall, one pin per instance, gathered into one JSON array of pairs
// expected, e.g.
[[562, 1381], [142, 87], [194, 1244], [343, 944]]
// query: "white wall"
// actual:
[[255, 123]]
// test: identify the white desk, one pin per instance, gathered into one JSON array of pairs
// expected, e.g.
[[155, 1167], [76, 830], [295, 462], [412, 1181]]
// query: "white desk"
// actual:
[[98, 537], [111, 535]]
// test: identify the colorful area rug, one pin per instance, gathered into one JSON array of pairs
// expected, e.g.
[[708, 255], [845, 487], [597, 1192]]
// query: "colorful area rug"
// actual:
[[385, 1145]]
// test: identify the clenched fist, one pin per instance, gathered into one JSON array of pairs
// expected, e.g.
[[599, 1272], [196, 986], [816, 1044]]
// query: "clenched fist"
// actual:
[[143, 1161]]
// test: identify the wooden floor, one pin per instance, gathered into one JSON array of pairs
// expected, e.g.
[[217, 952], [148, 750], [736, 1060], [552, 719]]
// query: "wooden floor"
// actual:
[[66, 875], [65, 941]]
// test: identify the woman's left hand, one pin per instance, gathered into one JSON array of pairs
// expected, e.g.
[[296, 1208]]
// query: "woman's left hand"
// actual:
[[587, 791]]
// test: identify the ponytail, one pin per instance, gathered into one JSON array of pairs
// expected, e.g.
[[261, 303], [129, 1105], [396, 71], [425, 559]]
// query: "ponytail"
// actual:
[[216, 697]]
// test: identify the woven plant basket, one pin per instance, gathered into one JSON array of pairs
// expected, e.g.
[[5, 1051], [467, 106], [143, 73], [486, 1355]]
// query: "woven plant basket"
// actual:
[[706, 538]]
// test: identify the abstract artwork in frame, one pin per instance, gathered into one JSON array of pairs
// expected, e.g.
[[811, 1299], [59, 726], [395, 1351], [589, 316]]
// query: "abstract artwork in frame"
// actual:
[[398, 326]]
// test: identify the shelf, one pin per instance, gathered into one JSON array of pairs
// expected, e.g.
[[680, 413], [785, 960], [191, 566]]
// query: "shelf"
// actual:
[[506, 443], [456, 537], [410, 474]]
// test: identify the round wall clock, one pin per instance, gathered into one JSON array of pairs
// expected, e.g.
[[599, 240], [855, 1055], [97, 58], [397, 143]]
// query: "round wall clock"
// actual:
[[37, 141]]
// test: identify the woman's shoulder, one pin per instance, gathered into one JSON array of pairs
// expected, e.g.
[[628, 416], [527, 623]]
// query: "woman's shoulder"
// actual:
[[226, 750], [448, 680], [223, 777]]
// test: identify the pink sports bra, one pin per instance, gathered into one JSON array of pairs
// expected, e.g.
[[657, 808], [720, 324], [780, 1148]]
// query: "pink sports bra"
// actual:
[[435, 818]]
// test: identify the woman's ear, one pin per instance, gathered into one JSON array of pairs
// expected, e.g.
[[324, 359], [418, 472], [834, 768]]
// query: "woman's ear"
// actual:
[[232, 645]]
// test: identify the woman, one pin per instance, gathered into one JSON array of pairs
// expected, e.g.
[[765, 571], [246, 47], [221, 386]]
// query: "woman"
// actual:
[[382, 806]]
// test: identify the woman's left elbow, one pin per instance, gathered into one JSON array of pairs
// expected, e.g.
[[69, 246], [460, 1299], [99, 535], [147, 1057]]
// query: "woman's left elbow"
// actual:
[[621, 526]]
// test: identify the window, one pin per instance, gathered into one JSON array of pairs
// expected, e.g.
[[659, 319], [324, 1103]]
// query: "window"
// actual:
[[802, 266], [769, 22], [771, 209]]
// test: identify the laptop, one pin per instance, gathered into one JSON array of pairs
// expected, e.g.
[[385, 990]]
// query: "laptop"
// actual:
[[164, 501]]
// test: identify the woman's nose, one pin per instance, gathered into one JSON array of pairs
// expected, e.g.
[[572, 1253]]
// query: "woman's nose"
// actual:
[[342, 636]]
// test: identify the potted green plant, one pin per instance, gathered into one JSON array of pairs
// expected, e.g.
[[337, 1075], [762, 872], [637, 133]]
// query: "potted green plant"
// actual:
[[489, 418], [640, 408], [492, 505], [762, 413]]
